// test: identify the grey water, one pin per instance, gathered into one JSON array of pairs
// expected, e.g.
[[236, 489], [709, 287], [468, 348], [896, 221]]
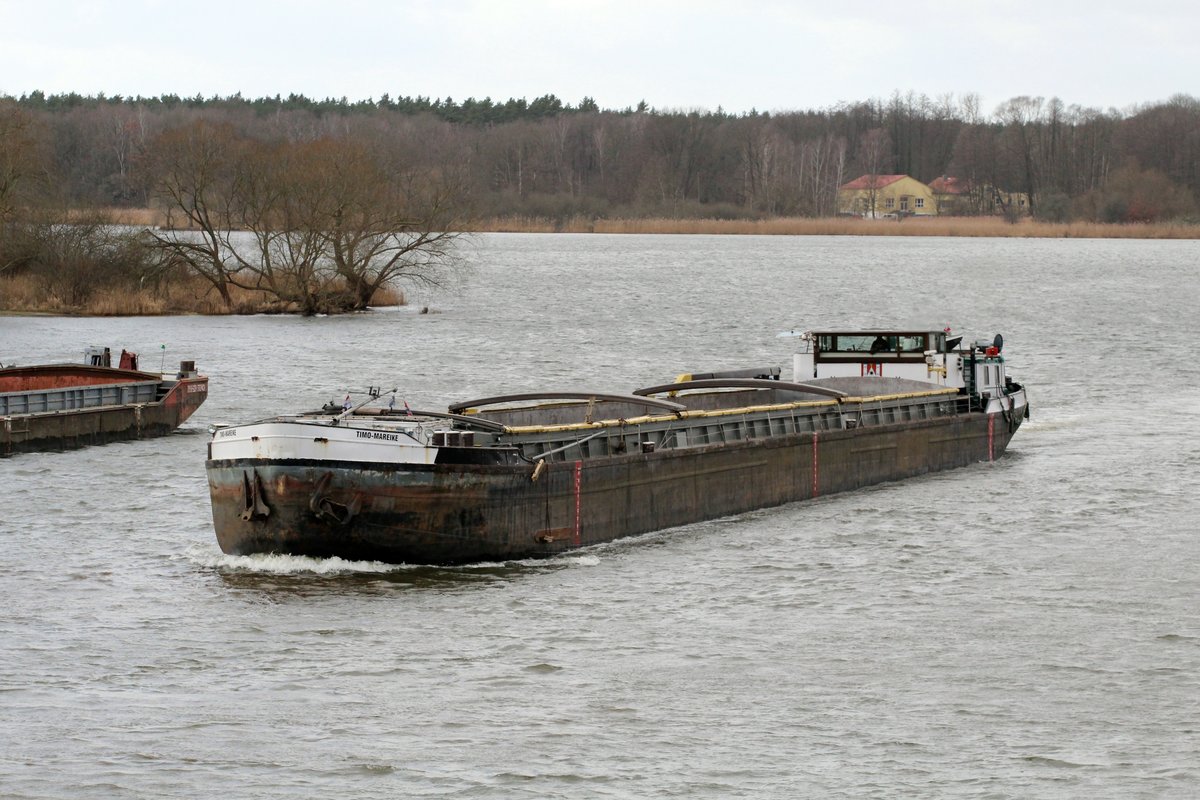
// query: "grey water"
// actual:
[[1024, 628]]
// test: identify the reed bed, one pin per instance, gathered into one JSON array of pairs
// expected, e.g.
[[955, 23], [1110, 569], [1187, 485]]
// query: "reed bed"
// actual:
[[850, 226], [27, 294], [789, 226]]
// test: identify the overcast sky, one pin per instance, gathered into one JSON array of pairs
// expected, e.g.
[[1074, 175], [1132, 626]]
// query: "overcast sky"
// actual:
[[769, 56]]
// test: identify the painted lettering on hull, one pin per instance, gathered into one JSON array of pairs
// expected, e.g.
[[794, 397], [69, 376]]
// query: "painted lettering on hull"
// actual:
[[379, 435]]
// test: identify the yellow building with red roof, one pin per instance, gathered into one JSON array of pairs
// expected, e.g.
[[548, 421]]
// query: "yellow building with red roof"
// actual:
[[875, 196]]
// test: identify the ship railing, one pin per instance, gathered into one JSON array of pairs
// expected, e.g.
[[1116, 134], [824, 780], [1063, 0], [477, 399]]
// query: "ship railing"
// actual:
[[73, 398], [700, 428], [908, 407], [463, 420], [647, 402], [740, 383]]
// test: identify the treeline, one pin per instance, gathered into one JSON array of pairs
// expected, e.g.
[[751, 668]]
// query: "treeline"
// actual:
[[552, 159], [469, 111]]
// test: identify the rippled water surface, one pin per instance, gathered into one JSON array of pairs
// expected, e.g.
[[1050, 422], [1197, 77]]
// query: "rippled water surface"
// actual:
[[1027, 628]]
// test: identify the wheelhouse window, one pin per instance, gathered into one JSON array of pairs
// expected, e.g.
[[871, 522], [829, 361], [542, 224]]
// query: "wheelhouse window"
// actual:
[[844, 343], [904, 346], [856, 343]]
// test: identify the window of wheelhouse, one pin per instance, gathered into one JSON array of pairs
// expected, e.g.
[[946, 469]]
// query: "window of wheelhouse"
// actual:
[[854, 343], [835, 343], [903, 346]]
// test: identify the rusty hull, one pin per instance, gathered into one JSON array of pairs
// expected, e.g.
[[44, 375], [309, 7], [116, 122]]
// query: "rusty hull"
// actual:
[[460, 513], [61, 376]]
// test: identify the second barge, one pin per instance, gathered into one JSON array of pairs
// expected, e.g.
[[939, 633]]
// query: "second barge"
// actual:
[[65, 406]]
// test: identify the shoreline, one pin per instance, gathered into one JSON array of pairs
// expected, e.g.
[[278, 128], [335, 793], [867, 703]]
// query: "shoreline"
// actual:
[[973, 227], [984, 227], [21, 297], [25, 296]]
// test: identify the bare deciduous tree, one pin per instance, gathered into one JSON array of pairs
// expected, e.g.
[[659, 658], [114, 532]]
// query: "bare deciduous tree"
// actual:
[[21, 159], [197, 168], [22, 181], [874, 156], [321, 225]]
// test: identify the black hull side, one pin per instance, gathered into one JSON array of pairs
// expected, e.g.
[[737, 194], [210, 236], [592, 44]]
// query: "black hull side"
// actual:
[[453, 514]]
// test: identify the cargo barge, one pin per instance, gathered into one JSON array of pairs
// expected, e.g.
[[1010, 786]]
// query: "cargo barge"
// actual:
[[66, 406], [535, 475]]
